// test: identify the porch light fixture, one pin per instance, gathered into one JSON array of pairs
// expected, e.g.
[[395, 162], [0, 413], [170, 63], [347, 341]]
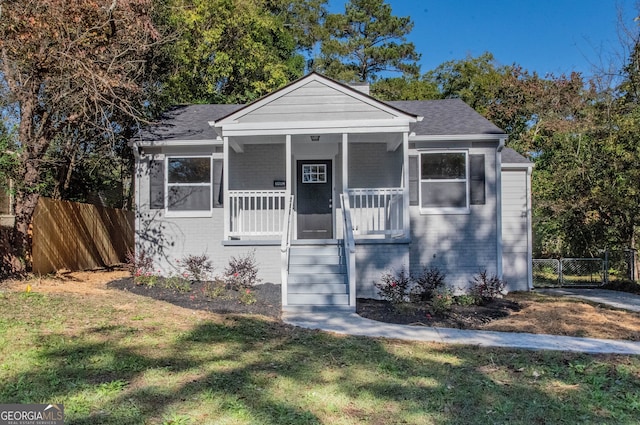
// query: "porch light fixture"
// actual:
[[315, 138]]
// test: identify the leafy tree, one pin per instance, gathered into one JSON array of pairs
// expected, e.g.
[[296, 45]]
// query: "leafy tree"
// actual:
[[74, 68], [365, 41], [473, 79], [233, 51], [405, 89]]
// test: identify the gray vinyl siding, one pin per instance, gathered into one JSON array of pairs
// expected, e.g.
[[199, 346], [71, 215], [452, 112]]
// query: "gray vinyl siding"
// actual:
[[371, 166], [374, 259], [515, 230], [460, 245], [169, 239], [257, 167], [314, 102]]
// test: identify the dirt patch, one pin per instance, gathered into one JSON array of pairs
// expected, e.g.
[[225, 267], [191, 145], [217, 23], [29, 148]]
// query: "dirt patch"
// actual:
[[518, 312]]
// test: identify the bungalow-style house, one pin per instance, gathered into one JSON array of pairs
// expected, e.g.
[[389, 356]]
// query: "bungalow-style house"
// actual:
[[331, 187]]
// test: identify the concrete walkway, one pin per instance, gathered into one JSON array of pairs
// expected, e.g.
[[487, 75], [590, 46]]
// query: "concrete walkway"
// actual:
[[352, 324], [617, 299]]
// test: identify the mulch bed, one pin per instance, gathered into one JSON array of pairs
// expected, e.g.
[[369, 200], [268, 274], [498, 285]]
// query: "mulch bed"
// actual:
[[461, 317], [268, 303], [268, 298]]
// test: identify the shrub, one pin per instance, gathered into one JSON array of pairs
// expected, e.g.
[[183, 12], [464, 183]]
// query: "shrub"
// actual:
[[465, 299], [139, 263], [430, 280], [197, 267], [487, 287], [394, 287], [247, 297], [442, 300], [242, 272], [214, 289], [179, 283], [147, 279]]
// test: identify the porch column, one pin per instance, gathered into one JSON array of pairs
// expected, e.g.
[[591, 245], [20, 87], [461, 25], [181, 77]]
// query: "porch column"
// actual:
[[225, 187], [289, 176], [345, 162], [405, 184]]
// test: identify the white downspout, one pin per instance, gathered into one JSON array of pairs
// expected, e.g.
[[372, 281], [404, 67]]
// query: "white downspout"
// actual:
[[225, 187], [499, 207], [529, 230], [136, 188]]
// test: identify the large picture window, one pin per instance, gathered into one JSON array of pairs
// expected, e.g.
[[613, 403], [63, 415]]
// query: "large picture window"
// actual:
[[189, 184], [443, 182]]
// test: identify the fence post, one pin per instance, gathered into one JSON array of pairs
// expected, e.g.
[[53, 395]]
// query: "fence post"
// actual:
[[605, 265], [560, 279]]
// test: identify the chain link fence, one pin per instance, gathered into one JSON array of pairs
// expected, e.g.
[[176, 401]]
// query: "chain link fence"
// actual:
[[613, 265], [569, 272]]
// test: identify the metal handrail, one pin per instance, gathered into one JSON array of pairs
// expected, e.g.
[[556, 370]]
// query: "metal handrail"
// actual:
[[349, 248], [285, 247]]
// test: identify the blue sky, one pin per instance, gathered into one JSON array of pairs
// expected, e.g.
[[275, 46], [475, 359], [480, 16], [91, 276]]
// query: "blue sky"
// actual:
[[547, 36]]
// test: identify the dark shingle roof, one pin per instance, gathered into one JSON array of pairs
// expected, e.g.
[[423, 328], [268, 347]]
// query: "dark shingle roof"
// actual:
[[190, 122], [446, 117], [441, 117], [510, 156]]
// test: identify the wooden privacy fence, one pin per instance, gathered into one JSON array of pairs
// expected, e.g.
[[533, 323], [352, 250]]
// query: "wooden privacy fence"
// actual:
[[73, 236]]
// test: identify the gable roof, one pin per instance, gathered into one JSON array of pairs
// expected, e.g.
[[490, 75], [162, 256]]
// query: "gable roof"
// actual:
[[187, 122], [447, 117], [511, 157]]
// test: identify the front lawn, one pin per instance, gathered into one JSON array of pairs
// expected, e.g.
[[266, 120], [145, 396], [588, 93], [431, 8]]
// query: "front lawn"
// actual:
[[113, 357]]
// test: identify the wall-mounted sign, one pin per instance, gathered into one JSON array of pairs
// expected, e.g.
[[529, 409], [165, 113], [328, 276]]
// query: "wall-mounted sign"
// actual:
[[279, 183]]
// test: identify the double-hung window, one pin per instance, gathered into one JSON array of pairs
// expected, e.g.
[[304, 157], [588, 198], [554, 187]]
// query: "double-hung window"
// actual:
[[444, 183], [189, 185]]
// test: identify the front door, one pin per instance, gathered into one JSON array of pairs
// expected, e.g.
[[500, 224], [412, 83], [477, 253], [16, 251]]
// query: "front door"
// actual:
[[315, 199]]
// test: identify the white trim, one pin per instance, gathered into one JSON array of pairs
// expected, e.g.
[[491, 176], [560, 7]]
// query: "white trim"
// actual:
[[529, 230], [499, 248], [405, 183], [313, 77], [445, 210], [165, 143], [345, 162], [517, 166], [187, 213], [457, 137], [225, 187], [317, 127]]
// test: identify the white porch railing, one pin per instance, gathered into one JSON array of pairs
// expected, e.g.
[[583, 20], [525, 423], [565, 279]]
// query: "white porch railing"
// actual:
[[377, 211], [285, 248], [257, 212], [349, 248]]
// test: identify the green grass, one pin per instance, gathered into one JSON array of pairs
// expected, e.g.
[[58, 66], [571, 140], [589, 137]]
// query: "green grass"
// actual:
[[159, 366]]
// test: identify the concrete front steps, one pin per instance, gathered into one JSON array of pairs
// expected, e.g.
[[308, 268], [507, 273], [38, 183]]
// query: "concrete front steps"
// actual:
[[318, 278]]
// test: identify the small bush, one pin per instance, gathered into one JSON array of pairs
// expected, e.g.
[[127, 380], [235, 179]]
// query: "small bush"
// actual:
[[465, 299], [430, 280], [242, 272], [197, 267], [442, 300], [148, 279], [487, 287], [214, 289], [247, 297], [394, 287], [178, 283], [139, 263]]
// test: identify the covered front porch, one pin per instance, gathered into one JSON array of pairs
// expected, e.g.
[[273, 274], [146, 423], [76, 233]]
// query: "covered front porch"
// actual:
[[316, 167]]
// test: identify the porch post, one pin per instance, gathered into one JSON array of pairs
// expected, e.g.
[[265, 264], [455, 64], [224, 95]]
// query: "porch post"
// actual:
[[225, 187], [405, 184], [289, 176], [345, 162]]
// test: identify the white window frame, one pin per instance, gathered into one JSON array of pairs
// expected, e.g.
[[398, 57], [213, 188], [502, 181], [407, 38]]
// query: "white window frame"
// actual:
[[167, 185], [444, 210], [321, 171]]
